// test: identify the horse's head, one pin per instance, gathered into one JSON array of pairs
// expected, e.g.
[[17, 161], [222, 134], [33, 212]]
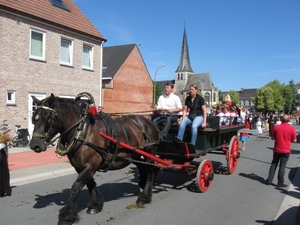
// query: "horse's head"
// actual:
[[46, 123]]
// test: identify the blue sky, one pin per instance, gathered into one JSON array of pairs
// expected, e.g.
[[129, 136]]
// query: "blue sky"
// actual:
[[241, 43]]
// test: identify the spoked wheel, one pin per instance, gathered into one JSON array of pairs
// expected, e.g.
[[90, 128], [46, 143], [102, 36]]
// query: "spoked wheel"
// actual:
[[205, 175], [233, 154]]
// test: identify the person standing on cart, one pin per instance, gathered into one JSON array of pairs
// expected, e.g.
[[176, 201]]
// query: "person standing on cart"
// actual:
[[169, 107], [197, 115]]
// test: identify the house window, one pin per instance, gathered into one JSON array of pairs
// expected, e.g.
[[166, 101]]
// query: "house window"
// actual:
[[37, 45], [10, 97], [66, 52], [87, 57], [207, 99]]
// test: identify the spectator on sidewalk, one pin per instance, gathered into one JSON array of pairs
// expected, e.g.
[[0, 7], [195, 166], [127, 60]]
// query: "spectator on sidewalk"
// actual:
[[283, 134], [5, 189]]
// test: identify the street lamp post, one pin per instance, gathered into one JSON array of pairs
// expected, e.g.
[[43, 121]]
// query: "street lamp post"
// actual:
[[154, 82]]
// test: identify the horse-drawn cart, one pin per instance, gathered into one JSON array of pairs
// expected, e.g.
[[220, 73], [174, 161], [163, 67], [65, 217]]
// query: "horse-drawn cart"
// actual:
[[179, 156], [78, 125]]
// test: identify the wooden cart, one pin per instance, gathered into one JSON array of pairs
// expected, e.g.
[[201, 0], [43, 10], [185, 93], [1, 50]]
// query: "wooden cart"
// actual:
[[179, 156]]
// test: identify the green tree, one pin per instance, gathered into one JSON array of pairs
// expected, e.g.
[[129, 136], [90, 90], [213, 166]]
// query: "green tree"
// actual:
[[220, 96], [288, 98], [158, 92], [234, 95], [296, 97], [264, 99], [277, 94]]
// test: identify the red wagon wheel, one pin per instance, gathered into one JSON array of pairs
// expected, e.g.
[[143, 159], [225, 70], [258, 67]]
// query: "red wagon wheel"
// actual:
[[233, 154], [205, 175]]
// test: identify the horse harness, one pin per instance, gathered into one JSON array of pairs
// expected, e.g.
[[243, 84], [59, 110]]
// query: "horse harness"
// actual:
[[81, 131], [111, 130]]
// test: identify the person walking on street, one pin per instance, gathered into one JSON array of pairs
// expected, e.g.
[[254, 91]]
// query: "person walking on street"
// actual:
[[195, 104], [169, 107], [271, 124], [244, 136], [283, 134], [259, 125]]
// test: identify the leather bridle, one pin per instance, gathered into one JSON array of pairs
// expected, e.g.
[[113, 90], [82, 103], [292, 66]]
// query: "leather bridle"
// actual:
[[51, 116]]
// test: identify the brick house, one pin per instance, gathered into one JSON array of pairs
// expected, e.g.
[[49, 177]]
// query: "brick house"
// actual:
[[127, 85], [47, 46]]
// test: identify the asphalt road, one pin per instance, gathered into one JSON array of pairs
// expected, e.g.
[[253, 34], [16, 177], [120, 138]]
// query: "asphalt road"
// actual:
[[238, 199]]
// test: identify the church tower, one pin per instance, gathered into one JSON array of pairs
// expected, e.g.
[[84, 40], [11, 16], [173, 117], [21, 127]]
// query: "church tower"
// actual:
[[184, 70]]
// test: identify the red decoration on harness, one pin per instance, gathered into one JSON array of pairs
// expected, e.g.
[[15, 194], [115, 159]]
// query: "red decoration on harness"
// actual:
[[92, 110]]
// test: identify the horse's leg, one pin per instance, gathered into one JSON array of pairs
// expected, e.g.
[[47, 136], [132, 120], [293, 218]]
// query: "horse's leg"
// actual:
[[96, 203], [68, 214], [147, 175], [142, 175]]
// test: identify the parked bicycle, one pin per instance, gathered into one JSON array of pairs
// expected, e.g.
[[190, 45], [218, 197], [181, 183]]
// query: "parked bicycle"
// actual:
[[21, 137]]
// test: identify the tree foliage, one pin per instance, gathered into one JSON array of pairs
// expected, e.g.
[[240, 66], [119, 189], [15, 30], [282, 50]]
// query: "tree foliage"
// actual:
[[234, 95], [158, 92], [296, 97], [220, 96], [264, 99], [276, 96]]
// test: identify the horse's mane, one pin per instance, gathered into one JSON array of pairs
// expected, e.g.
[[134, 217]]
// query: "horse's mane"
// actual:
[[70, 104]]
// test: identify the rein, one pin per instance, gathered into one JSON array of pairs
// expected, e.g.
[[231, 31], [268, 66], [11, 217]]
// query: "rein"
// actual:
[[128, 113], [53, 140]]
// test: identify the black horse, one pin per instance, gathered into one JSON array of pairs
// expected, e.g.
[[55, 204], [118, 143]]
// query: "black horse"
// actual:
[[89, 152]]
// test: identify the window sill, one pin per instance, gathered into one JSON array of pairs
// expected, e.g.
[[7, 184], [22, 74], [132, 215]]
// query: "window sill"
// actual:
[[11, 104], [66, 65], [87, 69], [38, 60]]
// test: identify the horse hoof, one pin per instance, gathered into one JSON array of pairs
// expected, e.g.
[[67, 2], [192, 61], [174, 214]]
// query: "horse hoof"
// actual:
[[140, 204], [92, 211], [64, 223]]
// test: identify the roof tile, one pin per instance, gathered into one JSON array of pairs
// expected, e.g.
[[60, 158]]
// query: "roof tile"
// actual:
[[45, 11]]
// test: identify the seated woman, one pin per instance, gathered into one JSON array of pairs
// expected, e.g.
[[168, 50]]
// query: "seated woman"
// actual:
[[197, 115]]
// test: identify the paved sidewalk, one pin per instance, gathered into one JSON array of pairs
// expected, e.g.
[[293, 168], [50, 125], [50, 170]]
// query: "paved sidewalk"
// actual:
[[26, 166]]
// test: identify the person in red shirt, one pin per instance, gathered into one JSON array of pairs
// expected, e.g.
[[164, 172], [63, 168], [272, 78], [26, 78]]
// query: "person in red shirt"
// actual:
[[283, 134]]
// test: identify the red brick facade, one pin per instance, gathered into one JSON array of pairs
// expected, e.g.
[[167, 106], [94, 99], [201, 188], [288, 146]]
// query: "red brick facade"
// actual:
[[24, 76], [132, 87]]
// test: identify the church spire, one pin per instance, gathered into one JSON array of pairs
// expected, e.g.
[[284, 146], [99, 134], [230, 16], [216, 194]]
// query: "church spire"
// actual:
[[184, 64]]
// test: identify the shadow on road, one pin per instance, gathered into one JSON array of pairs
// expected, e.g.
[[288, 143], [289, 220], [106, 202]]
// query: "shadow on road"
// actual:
[[283, 219]]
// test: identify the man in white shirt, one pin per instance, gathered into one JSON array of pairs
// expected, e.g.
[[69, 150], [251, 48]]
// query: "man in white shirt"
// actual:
[[169, 106]]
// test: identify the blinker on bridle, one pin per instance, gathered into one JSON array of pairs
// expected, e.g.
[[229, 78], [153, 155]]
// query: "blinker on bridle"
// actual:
[[49, 119]]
